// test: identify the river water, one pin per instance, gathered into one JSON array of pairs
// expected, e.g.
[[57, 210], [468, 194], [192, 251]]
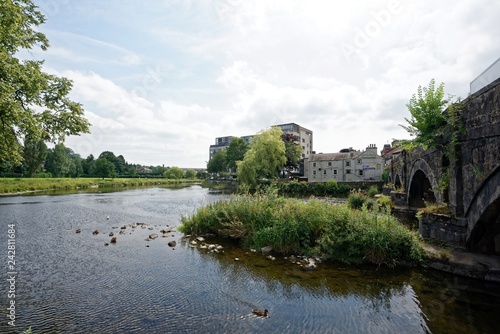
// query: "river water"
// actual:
[[67, 282]]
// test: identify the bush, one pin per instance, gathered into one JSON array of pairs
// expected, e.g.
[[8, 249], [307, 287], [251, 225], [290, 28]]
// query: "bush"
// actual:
[[356, 200], [372, 191]]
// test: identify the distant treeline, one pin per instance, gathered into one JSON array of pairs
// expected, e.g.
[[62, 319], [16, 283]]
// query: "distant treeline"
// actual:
[[60, 161]]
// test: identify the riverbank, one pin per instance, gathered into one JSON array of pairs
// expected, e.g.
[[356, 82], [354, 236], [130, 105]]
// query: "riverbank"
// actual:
[[19, 186]]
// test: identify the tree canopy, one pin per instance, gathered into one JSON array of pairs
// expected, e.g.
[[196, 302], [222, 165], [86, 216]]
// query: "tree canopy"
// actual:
[[428, 115], [33, 103], [235, 152], [265, 157]]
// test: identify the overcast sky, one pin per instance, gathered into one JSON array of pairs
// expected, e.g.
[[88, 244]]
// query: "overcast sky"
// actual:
[[159, 80]]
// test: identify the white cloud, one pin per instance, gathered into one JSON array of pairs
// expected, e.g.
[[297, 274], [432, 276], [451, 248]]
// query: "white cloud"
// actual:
[[160, 90]]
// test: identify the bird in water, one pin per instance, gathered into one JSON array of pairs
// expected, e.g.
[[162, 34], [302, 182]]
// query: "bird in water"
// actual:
[[260, 313]]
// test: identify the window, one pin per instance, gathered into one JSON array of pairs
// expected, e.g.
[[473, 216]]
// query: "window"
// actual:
[[303, 140], [314, 172], [347, 163], [360, 161], [329, 163], [334, 172], [348, 171], [324, 172], [360, 172], [314, 164]]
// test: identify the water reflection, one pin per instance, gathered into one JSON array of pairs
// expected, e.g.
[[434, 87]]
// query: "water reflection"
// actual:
[[72, 283]]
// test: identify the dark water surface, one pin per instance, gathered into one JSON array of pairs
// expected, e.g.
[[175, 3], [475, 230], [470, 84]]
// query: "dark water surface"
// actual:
[[72, 283]]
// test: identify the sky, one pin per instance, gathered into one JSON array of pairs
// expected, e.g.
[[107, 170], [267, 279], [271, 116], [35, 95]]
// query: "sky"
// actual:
[[159, 80]]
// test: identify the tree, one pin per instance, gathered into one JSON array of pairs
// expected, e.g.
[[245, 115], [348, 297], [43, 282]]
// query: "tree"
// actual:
[[265, 157], [87, 164], [293, 151], [58, 161], [428, 115], [235, 152], [217, 164], [34, 154], [33, 103], [190, 174], [174, 173], [103, 168]]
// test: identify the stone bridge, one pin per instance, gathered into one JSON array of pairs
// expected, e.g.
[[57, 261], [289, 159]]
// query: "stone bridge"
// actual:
[[467, 181]]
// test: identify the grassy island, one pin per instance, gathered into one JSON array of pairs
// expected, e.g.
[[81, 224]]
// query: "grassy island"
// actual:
[[313, 227]]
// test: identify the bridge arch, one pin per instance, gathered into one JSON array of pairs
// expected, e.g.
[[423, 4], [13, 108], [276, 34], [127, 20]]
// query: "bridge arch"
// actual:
[[423, 185], [483, 216]]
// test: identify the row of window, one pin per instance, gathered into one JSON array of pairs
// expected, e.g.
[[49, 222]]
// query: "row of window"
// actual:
[[347, 171]]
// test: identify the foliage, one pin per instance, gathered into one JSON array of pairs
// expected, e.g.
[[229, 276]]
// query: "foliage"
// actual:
[[355, 200], [428, 117], [311, 228], [34, 154], [372, 191], [235, 152], [190, 174], [174, 172], [293, 151], [217, 164], [33, 103], [330, 188], [385, 201], [264, 159], [103, 168]]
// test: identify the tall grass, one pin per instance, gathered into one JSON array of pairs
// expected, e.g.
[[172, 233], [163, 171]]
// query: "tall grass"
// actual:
[[309, 228]]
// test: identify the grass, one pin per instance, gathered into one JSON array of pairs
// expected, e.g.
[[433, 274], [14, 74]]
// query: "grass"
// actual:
[[292, 226], [16, 185]]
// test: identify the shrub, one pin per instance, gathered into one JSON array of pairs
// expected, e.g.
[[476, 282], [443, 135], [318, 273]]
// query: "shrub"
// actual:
[[355, 200], [372, 191]]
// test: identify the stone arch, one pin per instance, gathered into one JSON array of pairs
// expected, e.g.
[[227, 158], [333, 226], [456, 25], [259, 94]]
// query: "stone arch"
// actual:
[[483, 216], [422, 185]]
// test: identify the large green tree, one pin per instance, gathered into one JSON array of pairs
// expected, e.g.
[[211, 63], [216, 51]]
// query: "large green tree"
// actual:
[[265, 157], [33, 103], [235, 152], [103, 168], [217, 164], [293, 151], [34, 154], [428, 115]]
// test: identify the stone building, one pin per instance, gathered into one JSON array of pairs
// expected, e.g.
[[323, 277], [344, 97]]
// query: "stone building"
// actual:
[[346, 166]]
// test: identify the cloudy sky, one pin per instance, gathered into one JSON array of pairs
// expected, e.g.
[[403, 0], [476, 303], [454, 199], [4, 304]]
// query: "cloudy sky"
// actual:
[[159, 80]]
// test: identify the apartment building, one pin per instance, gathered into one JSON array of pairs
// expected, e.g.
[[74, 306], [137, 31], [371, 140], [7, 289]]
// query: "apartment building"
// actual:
[[346, 166], [304, 138]]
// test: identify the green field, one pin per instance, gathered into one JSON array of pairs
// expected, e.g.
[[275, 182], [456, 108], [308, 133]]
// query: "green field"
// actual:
[[20, 185]]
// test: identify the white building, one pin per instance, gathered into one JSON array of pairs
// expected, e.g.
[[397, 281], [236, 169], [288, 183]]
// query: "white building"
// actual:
[[349, 166]]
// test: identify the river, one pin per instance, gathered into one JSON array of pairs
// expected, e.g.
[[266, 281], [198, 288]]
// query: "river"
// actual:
[[67, 282]]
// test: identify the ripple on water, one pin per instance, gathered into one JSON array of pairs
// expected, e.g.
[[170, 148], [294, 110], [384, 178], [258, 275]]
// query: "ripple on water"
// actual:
[[72, 283]]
